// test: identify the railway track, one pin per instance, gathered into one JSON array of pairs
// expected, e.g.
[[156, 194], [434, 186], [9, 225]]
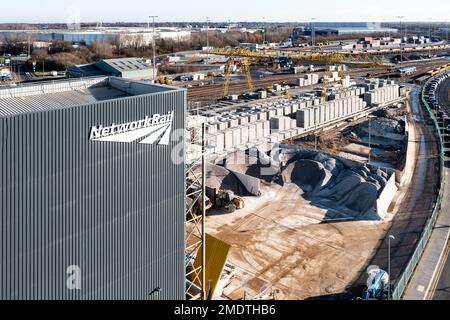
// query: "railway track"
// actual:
[[237, 87]]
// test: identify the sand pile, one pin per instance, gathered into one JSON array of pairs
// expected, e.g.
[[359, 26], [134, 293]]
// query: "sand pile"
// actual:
[[307, 174], [256, 164], [326, 178], [220, 178]]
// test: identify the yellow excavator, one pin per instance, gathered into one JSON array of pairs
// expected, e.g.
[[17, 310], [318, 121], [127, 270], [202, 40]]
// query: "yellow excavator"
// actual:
[[165, 80]]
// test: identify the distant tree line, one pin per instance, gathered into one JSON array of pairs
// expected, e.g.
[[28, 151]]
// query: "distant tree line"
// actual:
[[61, 54]]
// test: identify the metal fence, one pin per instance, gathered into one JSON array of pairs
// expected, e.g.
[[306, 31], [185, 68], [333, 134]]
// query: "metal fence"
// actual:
[[426, 234]]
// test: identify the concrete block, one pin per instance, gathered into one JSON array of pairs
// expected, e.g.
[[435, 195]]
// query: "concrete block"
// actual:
[[244, 134], [332, 111], [346, 108], [220, 141], [259, 130], [276, 124], [271, 113], [279, 111], [287, 123], [212, 128], [322, 114], [263, 116], [301, 82], [266, 128], [262, 94], [252, 118], [233, 123], [316, 116], [228, 136], [243, 120], [252, 137], [287, 110], [302, 118], [236, 136], [222, 126]]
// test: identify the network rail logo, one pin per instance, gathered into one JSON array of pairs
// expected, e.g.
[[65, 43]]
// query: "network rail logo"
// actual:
[[147, 131]]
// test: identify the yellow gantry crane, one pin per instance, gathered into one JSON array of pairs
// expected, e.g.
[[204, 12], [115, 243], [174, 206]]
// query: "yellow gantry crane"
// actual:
[[326, 58], [237, 57], [244, 57]]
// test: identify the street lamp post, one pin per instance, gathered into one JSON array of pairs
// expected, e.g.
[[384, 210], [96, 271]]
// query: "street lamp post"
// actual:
[[446, 29], [429, 37], [370, 137], [401, 39], [315, 139], [154, 48], [207, 33], [265, 31], [390, 237], [313, 32]]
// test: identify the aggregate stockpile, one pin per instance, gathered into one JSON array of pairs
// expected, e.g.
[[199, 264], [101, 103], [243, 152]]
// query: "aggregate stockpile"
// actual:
[[354, 191], [220, 178]]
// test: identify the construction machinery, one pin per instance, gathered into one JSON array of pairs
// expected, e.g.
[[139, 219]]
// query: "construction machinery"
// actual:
[[244, 57], [165, 80], [377, 284], [235, 58], [229, 200], [226, 199], [325, 58]]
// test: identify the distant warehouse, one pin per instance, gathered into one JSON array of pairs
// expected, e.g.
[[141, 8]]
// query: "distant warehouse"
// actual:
[[92, 204], [338, 28]]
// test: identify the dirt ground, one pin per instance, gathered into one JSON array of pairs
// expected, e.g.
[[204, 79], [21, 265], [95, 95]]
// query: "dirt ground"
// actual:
[[281, 244], [285, 247]]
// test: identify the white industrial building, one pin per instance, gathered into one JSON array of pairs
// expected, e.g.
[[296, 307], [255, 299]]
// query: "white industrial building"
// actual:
[[121, 36]]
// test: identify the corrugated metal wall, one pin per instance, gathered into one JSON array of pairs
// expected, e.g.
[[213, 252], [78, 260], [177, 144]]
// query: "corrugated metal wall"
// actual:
[[115, 210]]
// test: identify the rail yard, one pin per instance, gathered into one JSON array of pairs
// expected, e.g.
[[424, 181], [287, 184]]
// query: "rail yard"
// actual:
[[282, 241], [226, 161]]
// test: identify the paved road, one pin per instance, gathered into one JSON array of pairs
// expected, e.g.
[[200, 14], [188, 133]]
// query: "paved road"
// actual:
[[415, 208], [442, 291]]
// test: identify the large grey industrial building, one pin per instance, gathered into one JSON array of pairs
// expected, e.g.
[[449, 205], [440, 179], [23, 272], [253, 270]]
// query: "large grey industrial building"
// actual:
[[92, 205], [339, 28]]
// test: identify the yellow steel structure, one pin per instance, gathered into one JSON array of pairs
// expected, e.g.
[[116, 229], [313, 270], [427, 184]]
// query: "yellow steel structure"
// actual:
[[326, 58], [233, 56], [442, 47], [216, 255], [245, 57], [195, 220]]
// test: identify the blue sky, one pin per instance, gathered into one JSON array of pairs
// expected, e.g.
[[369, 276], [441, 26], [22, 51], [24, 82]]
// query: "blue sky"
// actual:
[[223, 10]]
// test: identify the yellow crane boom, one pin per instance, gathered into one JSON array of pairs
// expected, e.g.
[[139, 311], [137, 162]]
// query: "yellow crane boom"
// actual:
[[326, 58]]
